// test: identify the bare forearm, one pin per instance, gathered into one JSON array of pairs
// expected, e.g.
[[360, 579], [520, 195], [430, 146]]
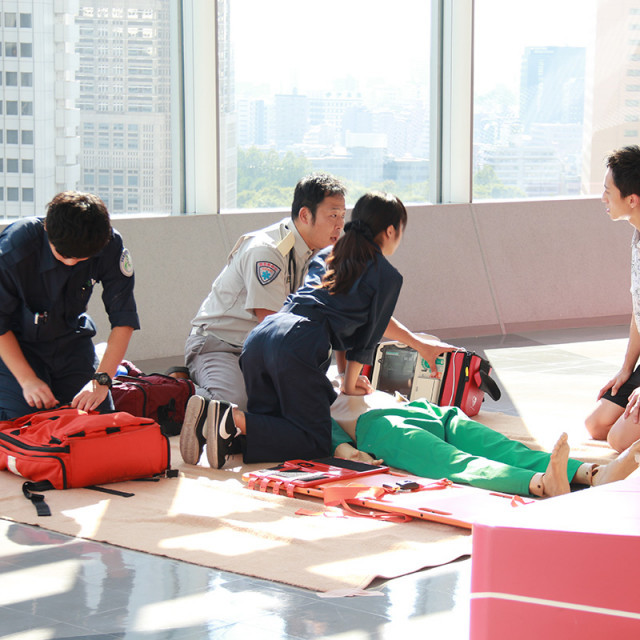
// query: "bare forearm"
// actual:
[[351, 375], [117, 344], [397, 331], [341, 361]]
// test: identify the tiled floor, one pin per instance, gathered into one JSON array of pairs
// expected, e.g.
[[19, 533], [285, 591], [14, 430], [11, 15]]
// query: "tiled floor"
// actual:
[[53, 586]]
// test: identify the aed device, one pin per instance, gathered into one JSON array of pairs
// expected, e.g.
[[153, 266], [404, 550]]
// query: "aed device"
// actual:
[[399, 368]]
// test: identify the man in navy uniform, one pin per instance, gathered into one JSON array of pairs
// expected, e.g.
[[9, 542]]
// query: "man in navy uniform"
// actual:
[[48, 268]]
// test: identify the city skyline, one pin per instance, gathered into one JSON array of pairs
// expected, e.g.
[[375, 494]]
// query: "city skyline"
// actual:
[[346, 89]]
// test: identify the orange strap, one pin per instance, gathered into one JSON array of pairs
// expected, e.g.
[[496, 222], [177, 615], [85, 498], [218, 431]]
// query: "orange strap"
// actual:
[[337, 498]]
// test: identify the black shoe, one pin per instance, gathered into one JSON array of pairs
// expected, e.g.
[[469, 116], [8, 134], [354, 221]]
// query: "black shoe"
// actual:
[[192, 438], [220, 433]]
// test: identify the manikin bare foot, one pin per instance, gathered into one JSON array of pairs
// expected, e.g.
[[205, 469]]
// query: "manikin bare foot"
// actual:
[[619, 468], [554, 480]]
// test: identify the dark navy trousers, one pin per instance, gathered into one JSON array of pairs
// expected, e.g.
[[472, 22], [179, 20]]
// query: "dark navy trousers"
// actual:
[[65, 364], [284, 364]]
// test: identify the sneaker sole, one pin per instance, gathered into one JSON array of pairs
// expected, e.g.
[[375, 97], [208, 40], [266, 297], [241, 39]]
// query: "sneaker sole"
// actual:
[[190, 447]]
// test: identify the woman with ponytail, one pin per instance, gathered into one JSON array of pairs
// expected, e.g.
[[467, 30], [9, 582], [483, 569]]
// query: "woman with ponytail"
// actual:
[[346, 305]]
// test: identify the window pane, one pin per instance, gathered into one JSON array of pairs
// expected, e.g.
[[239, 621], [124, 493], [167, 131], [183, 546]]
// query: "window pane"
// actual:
[[551, 102], [101, 43], [347, 93], [124, 76]]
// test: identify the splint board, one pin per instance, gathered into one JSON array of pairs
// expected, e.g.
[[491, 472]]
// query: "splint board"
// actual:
[[357, 484]]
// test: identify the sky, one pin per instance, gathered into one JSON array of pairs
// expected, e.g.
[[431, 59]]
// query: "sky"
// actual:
[[300, 42]]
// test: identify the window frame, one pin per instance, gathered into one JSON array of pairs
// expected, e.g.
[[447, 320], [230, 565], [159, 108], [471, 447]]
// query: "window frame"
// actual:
[[197, 176]]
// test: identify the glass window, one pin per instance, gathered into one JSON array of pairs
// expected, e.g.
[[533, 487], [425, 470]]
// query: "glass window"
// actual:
[[26, 79], [12, 136], [25, 20], [11, 78], [26, 50], [106, 87], [10, 49], [27, 194], [27, 136], [347, 94], [9, 19], [550, 102], [12, 107], [27, 166], [13, 194], [12, 165]]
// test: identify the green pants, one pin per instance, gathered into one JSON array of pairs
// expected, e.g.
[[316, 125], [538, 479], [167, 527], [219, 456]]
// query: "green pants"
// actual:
[[442, 442]]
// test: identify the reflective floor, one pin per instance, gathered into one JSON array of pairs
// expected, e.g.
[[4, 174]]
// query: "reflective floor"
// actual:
[[54, 586]]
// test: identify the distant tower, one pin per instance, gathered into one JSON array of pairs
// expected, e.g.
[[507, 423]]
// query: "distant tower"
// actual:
[[39, 147], [124, 99], [552, 86]]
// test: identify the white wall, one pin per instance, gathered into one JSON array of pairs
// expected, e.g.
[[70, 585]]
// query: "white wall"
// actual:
[[476, 269]]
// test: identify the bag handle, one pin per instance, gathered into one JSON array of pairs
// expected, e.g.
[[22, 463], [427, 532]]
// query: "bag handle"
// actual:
[[488, 385]]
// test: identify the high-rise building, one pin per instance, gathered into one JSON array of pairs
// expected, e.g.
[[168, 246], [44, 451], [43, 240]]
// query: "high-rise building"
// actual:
[[124, 79], [552, 85], [614, 119], [39, 147]]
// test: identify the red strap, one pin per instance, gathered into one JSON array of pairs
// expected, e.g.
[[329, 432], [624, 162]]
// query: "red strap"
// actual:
[[340, 495], [516, 501], [376, 515], [335, 494]]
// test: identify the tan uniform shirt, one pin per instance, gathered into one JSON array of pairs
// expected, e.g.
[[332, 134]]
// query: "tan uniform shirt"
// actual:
[[262, 269]]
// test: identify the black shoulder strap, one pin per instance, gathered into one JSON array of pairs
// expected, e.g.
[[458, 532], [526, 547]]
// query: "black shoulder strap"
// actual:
[[37, 499]]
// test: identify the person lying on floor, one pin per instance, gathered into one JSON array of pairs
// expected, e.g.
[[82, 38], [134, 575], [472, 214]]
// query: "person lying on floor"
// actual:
[[442, 442]]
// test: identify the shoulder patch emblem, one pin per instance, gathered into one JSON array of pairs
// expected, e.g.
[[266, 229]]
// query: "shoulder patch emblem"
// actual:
[[126, 263], [267, 272]]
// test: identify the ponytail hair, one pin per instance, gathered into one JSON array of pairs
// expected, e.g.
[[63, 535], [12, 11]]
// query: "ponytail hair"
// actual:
[[372, 215]]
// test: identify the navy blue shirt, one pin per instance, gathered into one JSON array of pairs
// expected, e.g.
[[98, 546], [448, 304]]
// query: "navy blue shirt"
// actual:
[[357, 320], [41, 299]]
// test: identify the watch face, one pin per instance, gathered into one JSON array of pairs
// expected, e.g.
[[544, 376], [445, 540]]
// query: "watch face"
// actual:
[[102, 379]]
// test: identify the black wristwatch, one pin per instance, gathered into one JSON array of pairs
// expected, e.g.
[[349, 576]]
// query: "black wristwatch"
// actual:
[[103, 379]]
